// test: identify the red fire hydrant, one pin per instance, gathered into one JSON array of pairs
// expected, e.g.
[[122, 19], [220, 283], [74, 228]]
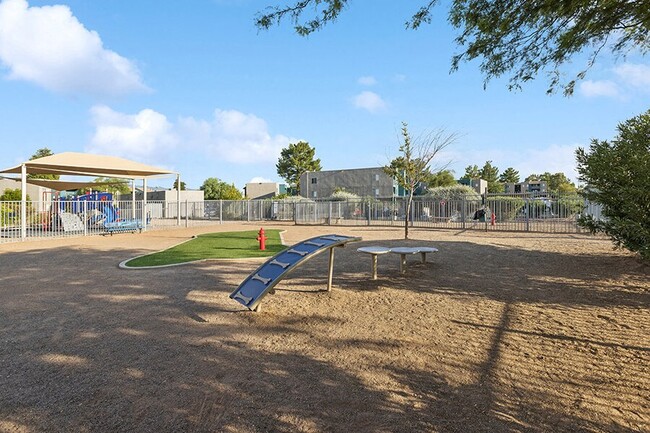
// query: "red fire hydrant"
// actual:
[[493, 219], [262, 239]]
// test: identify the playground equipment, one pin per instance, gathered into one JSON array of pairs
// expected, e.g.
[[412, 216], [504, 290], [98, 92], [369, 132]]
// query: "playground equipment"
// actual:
[[262, 281], [98, 210]]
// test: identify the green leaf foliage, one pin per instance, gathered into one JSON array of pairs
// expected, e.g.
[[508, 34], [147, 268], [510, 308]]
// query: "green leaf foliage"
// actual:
[[215, 189], [556, 182], [519, 39], [616, 173], [10, 206], [296, 159], [108, 184], [441, 178], [455, 192], [490, 173], [41, 153], [509, 175]]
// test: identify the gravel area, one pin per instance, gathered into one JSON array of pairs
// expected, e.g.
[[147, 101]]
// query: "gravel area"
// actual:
[[497, 332]]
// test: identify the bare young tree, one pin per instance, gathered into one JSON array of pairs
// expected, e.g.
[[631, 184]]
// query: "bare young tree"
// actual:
[[413, 166]]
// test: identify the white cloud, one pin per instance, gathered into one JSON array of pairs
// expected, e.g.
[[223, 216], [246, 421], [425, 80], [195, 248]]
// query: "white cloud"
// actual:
[[554, 159], [635, 75], [229, 137], [367, 80], [369, 101], [233, 136], [260, 180], [50, 47], [592, 89], [143, 136]]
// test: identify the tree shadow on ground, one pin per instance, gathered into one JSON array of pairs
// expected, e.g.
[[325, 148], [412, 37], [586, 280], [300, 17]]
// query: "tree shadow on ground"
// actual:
[[86, 346]]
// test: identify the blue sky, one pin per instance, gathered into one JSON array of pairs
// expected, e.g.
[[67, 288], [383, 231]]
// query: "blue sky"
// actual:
[[194, 87]]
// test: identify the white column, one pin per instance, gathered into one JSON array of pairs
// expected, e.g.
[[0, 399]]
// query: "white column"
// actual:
[[23, 202], [178, 199], [133, 216], [144, 204]]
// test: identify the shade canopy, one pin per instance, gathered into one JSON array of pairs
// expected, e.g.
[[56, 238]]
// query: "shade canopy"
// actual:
[[73, 163]]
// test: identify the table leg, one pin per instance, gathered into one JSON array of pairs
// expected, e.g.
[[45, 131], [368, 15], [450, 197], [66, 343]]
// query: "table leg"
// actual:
[[424, 257], [374, 266], [402, 263]]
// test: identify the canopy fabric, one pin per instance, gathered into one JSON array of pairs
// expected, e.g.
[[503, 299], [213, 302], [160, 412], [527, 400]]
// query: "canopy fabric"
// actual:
[[74, 163], [63, 185]]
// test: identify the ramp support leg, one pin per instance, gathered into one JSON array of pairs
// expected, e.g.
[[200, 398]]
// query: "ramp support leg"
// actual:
[[331, 270]]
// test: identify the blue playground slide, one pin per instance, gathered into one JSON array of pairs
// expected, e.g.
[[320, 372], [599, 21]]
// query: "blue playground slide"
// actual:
[[111, 213]]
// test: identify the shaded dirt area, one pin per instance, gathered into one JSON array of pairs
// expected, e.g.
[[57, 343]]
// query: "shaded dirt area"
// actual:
[[504, 332]]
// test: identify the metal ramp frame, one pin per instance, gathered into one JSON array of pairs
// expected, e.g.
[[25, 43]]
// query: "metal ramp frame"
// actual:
[[262, 281]]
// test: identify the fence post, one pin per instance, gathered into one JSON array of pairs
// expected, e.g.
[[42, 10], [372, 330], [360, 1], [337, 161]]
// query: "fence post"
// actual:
[[220, 211], [527, 214], [85, 218], [463, 214], [368, 210], [329, 213], [248, 211], [186, 214]]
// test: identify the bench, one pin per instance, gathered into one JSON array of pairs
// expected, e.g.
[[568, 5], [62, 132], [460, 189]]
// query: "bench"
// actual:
[[375, 251], [123, 226]]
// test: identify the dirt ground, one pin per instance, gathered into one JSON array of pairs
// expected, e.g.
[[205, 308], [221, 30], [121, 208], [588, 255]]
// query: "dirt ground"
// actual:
[[503, 332]]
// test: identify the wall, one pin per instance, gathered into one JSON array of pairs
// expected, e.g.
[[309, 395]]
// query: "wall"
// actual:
[[364, 182]]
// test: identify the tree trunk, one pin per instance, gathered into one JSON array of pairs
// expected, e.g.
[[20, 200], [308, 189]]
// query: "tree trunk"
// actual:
[[407, 216]]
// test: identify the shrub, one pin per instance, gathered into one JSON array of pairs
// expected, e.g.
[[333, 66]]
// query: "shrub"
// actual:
[[617, 174], [342, 195], [456, 192]]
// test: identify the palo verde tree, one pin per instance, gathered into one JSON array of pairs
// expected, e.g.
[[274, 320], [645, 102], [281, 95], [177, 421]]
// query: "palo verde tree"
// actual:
[[295, 160], [616, 174], [518, 39], [413, 166]]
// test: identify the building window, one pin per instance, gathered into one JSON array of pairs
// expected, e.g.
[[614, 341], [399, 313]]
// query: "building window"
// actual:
[[314, 181], [314, 194], [376, 178]]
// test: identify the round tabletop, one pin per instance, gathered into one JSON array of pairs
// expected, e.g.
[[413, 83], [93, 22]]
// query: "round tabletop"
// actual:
[[427, 250], [374, 250], [405, 250]]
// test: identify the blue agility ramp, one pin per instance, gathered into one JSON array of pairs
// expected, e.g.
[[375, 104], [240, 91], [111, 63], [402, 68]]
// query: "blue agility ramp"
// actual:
[[251, 291]]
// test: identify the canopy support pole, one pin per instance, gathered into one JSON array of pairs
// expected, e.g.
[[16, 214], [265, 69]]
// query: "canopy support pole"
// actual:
[[133, 214], [178, 199], [23, 202], [144, 204]]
